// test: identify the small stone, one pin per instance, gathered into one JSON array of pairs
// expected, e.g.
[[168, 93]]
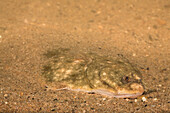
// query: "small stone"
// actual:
[[155, 99], [40, 109], [26, 21], [43, 24], [136, 100], [149, 28], [92, 108], [137, 108], [160, 45], [134, 54], [55, 99], [53, 109], [6, 102], [21, 94], [98, 12], [144, 99], [99, 104], [130, 101], [100, 27], [0, 36], [5, 95], [127, 99], [153, 105], [159, 85], [46, 86], [104, 99], [126, 32]]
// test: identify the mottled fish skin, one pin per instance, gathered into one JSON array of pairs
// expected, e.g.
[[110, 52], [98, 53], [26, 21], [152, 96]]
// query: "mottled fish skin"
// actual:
[[113, 77]]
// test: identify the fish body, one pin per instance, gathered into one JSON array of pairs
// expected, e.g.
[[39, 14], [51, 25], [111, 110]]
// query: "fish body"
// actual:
[[110, 76]]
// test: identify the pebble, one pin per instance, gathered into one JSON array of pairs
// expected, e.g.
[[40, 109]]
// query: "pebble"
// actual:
[[134, 54], [99, 104], [55, 99], [0, 37], [5, 95], [149, 28], [160, 45], [43, 24], [26, 21], [146, 55], [144, 99], [136, 100], [155, 99], [126, 32], [127, 99], [153, 105], [52, 109], [159, 85]]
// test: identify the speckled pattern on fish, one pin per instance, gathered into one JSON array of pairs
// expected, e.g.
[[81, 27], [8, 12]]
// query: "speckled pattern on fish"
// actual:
[[110, 76]]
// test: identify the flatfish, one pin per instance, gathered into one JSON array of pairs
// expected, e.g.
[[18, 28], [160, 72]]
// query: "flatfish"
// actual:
[[92, 73]]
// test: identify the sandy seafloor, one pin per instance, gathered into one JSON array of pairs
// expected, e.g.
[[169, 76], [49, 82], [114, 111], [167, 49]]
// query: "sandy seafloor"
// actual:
[[137, 29]]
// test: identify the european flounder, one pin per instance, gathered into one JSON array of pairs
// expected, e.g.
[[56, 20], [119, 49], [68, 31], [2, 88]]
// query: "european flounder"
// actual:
[[110, 76]]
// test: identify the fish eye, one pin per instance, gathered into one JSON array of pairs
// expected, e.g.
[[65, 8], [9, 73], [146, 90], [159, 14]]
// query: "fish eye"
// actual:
[[125, 79]]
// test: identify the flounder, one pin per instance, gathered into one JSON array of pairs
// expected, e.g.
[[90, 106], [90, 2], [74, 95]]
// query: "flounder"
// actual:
[[92, 73]]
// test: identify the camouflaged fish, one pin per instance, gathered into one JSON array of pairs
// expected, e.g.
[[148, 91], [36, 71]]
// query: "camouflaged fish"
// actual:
[[113, 77]]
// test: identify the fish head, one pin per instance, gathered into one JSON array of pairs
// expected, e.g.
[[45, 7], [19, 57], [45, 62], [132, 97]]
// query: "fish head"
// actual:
[[122, 81]]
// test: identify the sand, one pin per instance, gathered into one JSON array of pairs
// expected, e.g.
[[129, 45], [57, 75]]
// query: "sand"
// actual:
[[138, 30]]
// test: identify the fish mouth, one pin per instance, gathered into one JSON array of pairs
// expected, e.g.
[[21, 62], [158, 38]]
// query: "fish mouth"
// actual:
[[134, 91]]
